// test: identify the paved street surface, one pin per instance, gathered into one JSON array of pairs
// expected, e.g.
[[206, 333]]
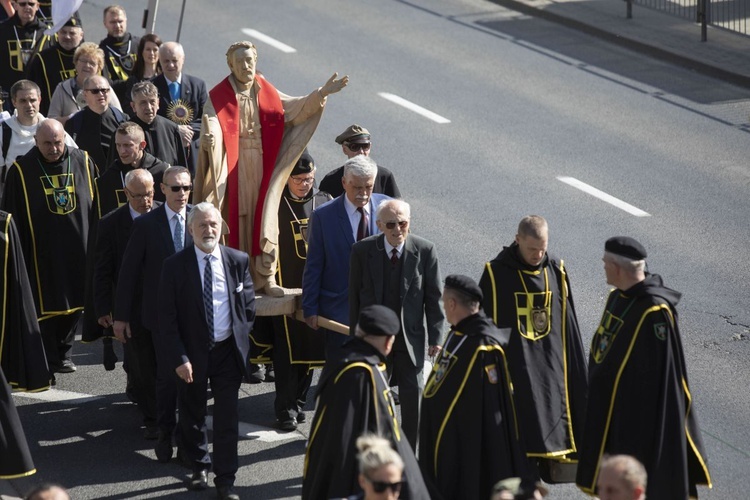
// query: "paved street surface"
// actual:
[[484, 114]]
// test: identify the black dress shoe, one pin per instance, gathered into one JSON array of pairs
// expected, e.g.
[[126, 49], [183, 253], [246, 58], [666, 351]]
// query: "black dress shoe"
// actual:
[[163, 448], [288, 425], [226, 493], [199, 480], [301, 417], [270, 373], [67, 366], [257, 374]]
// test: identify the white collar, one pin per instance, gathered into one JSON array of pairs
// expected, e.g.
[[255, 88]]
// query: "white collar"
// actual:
[[351, 208], [171, 213]]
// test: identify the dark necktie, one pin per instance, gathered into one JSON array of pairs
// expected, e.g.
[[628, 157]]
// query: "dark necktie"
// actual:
[[208, 298], [362, 228], [394, 257], [179, 235]]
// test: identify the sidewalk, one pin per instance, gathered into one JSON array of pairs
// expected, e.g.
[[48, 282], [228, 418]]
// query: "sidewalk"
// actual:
[[726, 55]]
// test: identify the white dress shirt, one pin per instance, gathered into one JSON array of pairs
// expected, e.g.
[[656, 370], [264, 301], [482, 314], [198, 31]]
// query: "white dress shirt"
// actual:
[[222, 312]]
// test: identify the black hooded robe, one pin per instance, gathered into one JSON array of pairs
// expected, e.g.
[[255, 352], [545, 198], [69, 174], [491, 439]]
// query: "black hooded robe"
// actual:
[[639, 399]]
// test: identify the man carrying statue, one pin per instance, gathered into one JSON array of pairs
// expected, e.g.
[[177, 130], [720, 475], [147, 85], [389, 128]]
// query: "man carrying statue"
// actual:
[[251, 138]]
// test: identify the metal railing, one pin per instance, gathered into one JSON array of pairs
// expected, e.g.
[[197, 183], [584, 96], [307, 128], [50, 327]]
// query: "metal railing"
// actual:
[[731, 15]]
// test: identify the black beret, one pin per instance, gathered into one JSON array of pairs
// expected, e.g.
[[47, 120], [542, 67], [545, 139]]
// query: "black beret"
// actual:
[[379, 320], [75, 20], [626, 247], [353, 133], [304, 165], [465, 284]]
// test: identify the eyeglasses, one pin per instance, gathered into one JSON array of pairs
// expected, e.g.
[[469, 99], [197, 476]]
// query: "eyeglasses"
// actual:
[[26, 4], [401, 224], [149, 194], [381, 486], [302, 180], [177, 189], [358, 146], [99, 91]]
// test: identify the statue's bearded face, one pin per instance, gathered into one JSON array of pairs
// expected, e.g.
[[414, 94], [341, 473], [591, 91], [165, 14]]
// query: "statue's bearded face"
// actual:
[[242, 64]]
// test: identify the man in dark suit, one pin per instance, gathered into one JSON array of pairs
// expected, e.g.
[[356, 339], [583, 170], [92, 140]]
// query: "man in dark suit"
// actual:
[[181, 97], [355, 140], [333, 229], [206, 312], [111, 240], [400, 271], [154, 237]]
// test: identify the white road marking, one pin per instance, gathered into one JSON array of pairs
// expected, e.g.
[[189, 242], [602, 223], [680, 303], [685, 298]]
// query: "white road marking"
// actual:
[[414, 107], [260, 433], [269, 41], [572, 181], [58, 396]]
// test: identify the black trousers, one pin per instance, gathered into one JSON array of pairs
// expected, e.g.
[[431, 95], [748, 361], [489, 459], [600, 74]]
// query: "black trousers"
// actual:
[[225, 375], [292, 380], [410, 386], [166, 387], [58, 334], [141, 356]]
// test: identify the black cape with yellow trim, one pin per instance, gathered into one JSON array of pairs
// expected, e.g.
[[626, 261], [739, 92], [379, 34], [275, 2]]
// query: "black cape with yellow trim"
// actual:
[[639, 399], [15, 457], [545, 352], [22, 355], [120, 56], [469, 437], [48, 69], [51, 209], [16, 44], [353, 399], [306, 346]]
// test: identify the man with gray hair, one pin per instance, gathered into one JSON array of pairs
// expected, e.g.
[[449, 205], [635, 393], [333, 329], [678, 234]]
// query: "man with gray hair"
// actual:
[[400, 270], [208, 343], [334, 228], [639, 399]]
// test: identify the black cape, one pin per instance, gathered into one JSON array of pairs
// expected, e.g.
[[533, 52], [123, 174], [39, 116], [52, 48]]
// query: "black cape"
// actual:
[[353, 399], [162, 141], [545, 352], [306, 346], [385, 183], [49, 68], [22, 355], [15, 457], [30, 37], [639, 399], [119, 60], [469, 437], [52, 212]]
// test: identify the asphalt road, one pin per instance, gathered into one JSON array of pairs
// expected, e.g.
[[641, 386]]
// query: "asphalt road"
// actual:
[[528, 102]]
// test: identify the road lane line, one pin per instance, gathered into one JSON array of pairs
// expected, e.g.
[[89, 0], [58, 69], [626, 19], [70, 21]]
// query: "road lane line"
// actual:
[[572, 181], [414, 107], [58, 396], [269, 41]]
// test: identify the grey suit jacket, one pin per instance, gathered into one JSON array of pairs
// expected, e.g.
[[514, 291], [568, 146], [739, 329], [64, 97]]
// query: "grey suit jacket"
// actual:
[[421, 289]]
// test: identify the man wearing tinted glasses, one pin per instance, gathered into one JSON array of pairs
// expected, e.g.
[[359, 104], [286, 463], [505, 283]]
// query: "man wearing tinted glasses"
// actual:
[[400, 270], [355, 140]]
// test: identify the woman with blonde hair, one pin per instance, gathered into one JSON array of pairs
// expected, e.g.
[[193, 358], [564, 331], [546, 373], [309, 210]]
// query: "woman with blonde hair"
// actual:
[[67, 99], [381, 469]]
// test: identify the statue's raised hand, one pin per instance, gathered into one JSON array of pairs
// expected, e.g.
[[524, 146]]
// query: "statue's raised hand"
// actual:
[[333, 85]]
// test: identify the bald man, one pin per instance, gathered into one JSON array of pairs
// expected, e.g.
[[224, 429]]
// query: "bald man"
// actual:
[[49, 191], [181, 97]]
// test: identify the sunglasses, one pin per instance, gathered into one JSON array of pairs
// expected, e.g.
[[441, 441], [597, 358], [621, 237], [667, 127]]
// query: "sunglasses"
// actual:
[[402, 224], [177, 189], [99, 91], [355, 146], [380, 486], [26, 4]]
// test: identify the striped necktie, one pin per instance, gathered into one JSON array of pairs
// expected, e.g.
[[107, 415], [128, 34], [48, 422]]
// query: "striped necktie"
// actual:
[[208, 298]]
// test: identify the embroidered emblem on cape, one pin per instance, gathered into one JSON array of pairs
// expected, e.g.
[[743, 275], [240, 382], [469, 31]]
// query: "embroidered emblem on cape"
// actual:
[[491, 371], [299, 231], [660, 330], [605, 336], [439, 373], [534, 311], [61, 197], [180, 112]]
